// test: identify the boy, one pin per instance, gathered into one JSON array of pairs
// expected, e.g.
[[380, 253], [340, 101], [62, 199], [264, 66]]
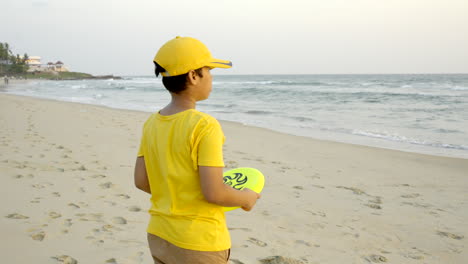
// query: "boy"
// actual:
[[180, 163]]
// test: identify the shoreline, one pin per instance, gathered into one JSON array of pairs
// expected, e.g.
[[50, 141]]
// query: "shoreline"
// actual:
[[362, 144], [68, 191]]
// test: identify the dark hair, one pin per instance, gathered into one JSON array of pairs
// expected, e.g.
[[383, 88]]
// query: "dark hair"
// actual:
[[174, 84]]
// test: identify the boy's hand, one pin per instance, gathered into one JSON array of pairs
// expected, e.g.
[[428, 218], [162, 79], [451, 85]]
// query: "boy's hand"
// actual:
[[252, 198]]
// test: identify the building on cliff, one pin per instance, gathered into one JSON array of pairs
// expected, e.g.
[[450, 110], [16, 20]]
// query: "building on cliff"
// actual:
[[35, 65]]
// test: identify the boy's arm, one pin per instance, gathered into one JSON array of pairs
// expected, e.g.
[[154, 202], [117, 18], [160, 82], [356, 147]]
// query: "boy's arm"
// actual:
[[140, 175], [215, 191]]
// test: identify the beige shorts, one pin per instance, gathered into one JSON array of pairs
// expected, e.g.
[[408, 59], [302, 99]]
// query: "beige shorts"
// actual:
[[164, 252]]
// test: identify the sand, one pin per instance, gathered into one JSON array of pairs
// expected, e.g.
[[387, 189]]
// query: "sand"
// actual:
[[67, 194]]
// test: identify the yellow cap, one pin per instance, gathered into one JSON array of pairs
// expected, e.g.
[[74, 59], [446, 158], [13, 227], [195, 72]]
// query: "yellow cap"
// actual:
[[183, 54]]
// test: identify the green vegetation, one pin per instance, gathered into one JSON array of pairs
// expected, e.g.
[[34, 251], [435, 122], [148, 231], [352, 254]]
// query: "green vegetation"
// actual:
[[16, 66], [11, 64], [57, 75]]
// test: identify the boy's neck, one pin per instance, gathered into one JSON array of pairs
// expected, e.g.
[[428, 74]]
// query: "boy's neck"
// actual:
[[178, 104]]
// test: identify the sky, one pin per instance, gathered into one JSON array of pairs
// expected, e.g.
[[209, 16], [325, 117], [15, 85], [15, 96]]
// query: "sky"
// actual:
[[121, 37]]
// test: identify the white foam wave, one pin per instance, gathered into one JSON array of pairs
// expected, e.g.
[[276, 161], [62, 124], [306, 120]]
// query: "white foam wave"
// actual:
[[79, 86], [404, 139], [460, 88]]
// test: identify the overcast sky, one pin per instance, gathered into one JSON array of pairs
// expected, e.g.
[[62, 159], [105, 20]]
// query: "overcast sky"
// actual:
[[260, 36]]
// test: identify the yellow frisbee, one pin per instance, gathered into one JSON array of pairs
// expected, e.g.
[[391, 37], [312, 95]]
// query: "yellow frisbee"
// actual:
[[241, 178]]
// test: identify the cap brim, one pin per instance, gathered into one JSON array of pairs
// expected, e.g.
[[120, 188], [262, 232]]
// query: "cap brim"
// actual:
[[216, 63]]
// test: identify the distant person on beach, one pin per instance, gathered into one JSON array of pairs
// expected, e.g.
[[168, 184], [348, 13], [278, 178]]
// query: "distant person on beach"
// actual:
[[180, 163], [5, 79]]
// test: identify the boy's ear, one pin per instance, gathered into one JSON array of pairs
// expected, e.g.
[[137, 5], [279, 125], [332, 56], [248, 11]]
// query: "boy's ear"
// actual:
[[192, 77]]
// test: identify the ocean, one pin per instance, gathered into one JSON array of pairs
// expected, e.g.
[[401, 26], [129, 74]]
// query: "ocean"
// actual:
[[423, 113]]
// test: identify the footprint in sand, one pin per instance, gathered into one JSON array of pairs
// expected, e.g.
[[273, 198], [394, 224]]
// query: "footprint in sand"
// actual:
[[231, 164], [376, 200], [38, 236], [54, 215], [375, 203], [412, 195], [65, 259], [96, 231], [16, 216], [235, 261], [302, 242], [280, 260], [123, 196], [241, 228], [106, 185], [355, 190], [81, 168], [98, 176], [257, 242], [415, 253], [450, 235], [376, 258], [119, 220], [374, 206], [317, 213], [67, 222], [90, 217], [134, 208], [419, 205], [108, 228], [413, 256], [38, 186], [95, 217], [74, 205], [22, 165], [80, 178], [83, 204]]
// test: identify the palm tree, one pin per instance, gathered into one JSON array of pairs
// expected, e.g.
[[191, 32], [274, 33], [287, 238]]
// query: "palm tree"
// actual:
[[7, 51], [1, 50]]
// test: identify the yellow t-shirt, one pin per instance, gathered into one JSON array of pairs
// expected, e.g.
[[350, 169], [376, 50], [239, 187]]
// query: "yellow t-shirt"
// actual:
[[173, 147]]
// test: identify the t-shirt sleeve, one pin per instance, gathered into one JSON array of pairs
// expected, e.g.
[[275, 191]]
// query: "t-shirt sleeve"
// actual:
[[142, 143], [210, 148], [140, 150]]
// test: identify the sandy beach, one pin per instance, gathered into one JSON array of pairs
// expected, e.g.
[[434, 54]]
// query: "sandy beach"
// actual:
[[67, 194]]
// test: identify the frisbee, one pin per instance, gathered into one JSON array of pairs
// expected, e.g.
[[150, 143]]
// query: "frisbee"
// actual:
[[241, 178]]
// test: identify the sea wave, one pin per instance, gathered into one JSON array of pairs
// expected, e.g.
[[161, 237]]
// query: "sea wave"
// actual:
[[404, 139], [259, 112], [425, 112], [271, 83], [459, 88]]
